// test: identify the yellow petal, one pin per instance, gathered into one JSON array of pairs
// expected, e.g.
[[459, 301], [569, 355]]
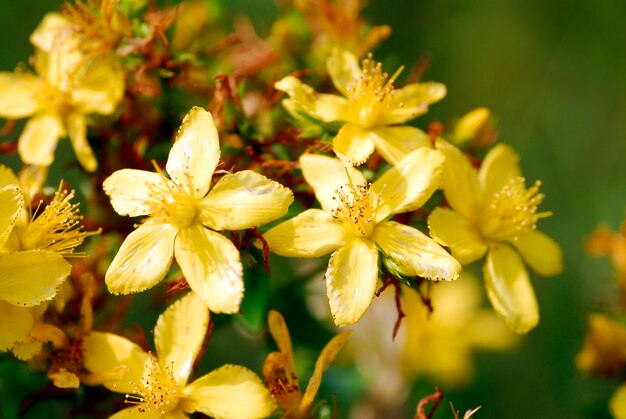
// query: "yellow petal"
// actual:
[[410, 183], [16, 324], [101, 87], [413, 100], [326, 175], [62, 378], [143, 259], [7, 177], [343, 68], [501, 164], [351, 280], [244, 200], [138, 412], [280, 333], [25, 351], [472, 127], [310, 234], [327, 356], [460, 181], [617, 404], [450, 229], [103, 352], [132, 191], [17, 95], [48, 34], [304, 99], [39, 139], [77, 131], [353, 145], [212, 267], [230, 391], [395, 143], [509, 289], [30, 277], [177, 339], [415, 252], [194, 156], [12, 203], [540, 252]]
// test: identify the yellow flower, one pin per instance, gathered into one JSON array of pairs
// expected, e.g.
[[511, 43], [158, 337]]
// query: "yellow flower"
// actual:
[[617, 404], [57, 100], [352, 225], [370, 108], [604, 350], [183, 216], [156, 385], [280, 370], [493, 213]]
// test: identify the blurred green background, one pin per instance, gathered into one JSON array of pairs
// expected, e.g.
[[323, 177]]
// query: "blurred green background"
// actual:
[[554, 73]]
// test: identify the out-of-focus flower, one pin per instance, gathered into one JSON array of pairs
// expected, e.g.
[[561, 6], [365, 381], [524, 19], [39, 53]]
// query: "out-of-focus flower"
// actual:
[[370, 109], [493, 213], [473, 129], [604, 350], [617, 404], [603, 242], [184, 212], [157, 384], [280, 370], [58, 98], [352, 225]]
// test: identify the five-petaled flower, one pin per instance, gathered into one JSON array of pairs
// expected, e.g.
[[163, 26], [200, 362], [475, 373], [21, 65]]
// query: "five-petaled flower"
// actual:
[[184, 212], [157, 386], [352, 224], [493, 213], [371, 110]]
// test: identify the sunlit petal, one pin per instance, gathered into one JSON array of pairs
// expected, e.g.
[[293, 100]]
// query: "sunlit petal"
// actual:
[[17, 323], [413, 100], [101, 87], [395, 143], [414, 251], [327, 356], [143, 259], [103, 352], [540, 252], [77, 131], [326, 175], [132, 191], [212, 267], [229, 392], [39, 139], [17, 95], [501, 164], [244, 200], [12, 203], [310, 234], [194, 156], [30, 277], [410, 183], [177, 339], [353, 145], [304, 99], [452, 230], [509, 288], [139, 412], [343, 68], [460, 181], [351, 280]]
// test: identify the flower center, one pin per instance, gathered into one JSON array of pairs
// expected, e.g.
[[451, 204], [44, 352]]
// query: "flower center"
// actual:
[[370, 94], [57, 228], [157, 391], [512, 210], [174, 206], [355, 208]]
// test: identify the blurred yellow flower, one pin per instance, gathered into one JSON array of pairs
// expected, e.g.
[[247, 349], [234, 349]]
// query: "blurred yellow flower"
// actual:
[[352, 225], [493, 213], [604, 350], [280, 371], [183, 216], [57, 99], [156, 385], [371, 109]]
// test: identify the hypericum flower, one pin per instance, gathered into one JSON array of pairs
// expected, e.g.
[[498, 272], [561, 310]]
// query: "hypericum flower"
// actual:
[[494, 213], [279, 370], [183, 216], [156, 385], [370, 108], [617, 404], [57, 100], [352, 225]]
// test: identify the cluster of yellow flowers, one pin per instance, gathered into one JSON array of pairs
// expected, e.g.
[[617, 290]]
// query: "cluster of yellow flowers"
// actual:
[[421, 206]]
